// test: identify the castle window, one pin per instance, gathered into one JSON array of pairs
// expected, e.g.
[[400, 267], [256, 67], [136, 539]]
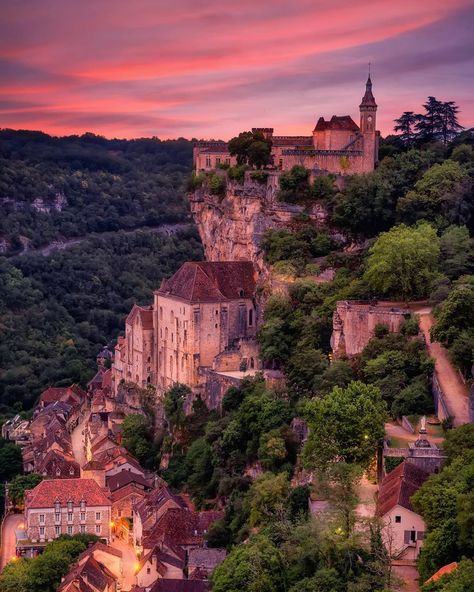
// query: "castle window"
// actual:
[[217, 312], [218, 160], [57, 530], [208, 161], [227, 160], [161, 312], [69, 529], [280, 164], [215, 326], [42, 531], [250, 317], [69, 506], [166, 333], [241, 293]]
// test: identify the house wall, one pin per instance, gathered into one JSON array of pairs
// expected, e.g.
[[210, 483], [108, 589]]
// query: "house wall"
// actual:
[[395, 535], [53, 528]]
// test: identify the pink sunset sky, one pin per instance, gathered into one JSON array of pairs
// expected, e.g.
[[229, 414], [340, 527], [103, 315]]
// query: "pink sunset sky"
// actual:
[[208, 69]]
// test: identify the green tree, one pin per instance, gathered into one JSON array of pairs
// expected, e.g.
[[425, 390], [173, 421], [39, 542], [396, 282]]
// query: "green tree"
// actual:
[[174, 401], [442, 195], [251, 148], [18, 485], [268, 498], [347, 425], [459, 580], [11, 461], [403, 262], [405, 124], [257, 566], [294, 185]]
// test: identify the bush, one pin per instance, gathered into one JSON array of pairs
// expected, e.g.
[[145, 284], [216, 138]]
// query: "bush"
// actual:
[[216, 184], [237, 173], [259, 176], [294, 185]]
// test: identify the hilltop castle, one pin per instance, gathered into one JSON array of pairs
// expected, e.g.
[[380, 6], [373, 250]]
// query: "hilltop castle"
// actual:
[[336, 146]]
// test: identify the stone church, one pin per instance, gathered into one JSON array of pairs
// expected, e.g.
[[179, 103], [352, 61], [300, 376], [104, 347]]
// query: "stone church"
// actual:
[[203, 321], [337, 146]]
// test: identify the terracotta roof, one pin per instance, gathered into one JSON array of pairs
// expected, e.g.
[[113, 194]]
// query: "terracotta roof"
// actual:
[[123, 478], [145, 314], [98, 546], [64, 490], [93, 465], [128, 490], [446, 569], [337, 123], [398, 486], [167, 585], [211, 281], [61, 394]]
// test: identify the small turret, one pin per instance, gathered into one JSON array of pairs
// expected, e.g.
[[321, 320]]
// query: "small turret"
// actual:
[[368, 100]]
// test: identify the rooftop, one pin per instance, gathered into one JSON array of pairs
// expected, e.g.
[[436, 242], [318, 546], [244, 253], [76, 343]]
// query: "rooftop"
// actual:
[[46, 493], [211, 281], [398, 486], [337, 123]]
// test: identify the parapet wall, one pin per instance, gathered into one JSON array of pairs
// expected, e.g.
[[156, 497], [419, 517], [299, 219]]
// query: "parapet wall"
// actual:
[[354, 324]]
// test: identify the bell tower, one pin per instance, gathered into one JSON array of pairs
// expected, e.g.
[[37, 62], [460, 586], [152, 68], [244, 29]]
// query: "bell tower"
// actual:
[[368, 109], [368, 112]]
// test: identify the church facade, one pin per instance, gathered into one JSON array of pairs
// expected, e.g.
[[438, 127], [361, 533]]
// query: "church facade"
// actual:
[[338, 145]]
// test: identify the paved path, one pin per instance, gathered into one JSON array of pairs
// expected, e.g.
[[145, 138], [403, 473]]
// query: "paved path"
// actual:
[[453, 387], [129, 563], [407, 576], [366, 492], [77, 440], [10, 525]]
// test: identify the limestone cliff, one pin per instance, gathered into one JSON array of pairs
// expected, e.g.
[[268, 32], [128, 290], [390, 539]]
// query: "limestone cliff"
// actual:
[[232, 226]]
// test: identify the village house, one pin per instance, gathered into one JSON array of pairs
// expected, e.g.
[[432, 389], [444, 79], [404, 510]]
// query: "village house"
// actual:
[[338, 145], [203, 561], [403, 529], [66, 506], [204, 317], [97, 569], [162, 561], [58, 465]]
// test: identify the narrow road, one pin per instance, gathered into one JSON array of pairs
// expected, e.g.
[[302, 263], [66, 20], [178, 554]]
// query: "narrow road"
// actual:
[[394, 430], [453, 387], [10, 525], [129, 563], [77, 440]]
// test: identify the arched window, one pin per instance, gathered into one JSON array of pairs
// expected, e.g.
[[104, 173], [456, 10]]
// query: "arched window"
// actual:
[[250, 317]]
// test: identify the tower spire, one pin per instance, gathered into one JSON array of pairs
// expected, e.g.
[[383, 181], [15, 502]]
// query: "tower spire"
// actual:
[[368, 100]]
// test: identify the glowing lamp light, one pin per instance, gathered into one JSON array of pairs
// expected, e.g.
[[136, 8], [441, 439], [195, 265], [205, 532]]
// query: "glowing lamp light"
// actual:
[[137, 567], [112, 524], [366, 437]]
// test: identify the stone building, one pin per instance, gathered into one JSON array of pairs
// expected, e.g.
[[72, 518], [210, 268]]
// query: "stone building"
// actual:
[[66, 506], [204, 317], [403, 529], [338, 145], [354, 324]]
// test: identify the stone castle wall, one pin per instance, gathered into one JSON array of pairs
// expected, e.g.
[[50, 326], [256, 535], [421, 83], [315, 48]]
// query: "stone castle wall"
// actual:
[[354, 324]]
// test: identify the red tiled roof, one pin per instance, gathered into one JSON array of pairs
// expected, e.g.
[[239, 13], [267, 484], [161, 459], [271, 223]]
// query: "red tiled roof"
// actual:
[[89, 572], [64, 490], [446, 569], [52, 394], [398, 486], [337, 123], [145, 315], [128, 490], [211, 281], [56, 464], [292, 140]]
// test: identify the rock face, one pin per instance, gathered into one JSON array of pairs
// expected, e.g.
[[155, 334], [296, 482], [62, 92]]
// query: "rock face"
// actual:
[[232, 226], [354, 324]]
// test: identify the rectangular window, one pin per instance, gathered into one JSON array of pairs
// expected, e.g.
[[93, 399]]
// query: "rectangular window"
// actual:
[[398, 519], [97, 529], [69, 506], [83, 528], [413, 536], [69, 529], [97, 515], [69, 516], [57, 530], [83, 516], [42, 518], [57, 517], [42, 531]]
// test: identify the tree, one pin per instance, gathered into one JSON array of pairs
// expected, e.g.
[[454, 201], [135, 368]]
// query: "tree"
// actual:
[[442, 194], [11, 461], [174, 401], [459, 580], [456, 251], [406, 125], [429, 124], [137, 437], [18, 485], [251, 148], [403, 262], [346, 425], [294, 185], [257, 566], [268, 498], [459, 441]]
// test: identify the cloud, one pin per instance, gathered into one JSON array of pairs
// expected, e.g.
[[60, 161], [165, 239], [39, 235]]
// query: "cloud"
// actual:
[[208, 68]]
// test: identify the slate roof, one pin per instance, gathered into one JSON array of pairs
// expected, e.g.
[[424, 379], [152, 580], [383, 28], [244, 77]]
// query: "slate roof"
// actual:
[[64, 490], [292, 140], [123, 478], [206, 557], [211, 281], [93, 574], [57, 465], [337, 123], [181, 527], [151, 504], [398, 486], [168, 585]]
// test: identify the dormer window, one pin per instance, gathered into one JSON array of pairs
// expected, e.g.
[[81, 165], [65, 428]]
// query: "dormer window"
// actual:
[[57, 505], [83, 505], [69, 506]]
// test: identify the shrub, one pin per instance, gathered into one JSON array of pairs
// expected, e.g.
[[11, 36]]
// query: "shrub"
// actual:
[[237, 173], [259, 176], [216, 184]]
